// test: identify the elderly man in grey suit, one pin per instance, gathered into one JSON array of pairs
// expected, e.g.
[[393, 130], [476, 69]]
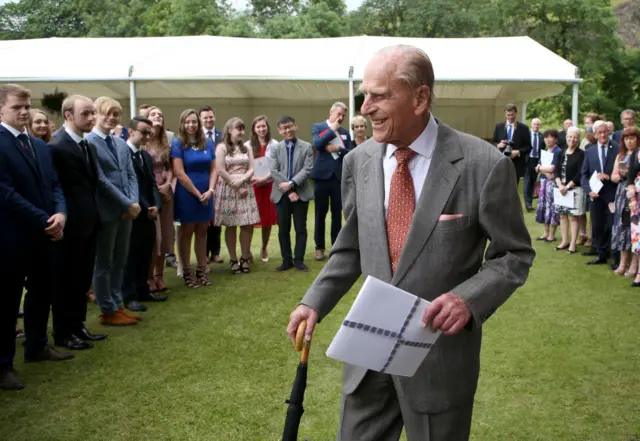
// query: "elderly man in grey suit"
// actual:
[[421, 200], [113, 237], [291, 162]]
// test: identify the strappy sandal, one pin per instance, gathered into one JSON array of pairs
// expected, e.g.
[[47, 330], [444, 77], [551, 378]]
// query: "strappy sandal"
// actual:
[[244, 265], [159, 279], [235, 267], [189, 279], [202, 275]]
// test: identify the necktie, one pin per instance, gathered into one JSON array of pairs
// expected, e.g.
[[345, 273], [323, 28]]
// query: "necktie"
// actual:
[[24, 139], [290, 160], [210, 136], [509, 130], [402, 203], [138, 157], [535, 145], [83, 147], [604, 157], [109, 141]]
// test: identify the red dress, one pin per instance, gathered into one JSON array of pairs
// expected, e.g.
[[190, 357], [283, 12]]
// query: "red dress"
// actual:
[[266, 208]]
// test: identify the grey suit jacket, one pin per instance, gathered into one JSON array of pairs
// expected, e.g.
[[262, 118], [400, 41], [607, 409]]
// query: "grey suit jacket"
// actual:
[[467, 176], [302, 166], [119, 171]]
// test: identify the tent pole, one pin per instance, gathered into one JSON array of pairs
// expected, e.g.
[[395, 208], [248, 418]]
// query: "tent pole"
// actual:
[[574, 105], [352, 101], [523, 112], [132, 95]]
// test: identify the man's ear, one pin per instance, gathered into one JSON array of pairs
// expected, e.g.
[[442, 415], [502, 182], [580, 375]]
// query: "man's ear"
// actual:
[[422, 99]]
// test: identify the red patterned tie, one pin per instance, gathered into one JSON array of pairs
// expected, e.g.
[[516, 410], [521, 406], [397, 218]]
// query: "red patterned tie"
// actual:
[[402, 204]]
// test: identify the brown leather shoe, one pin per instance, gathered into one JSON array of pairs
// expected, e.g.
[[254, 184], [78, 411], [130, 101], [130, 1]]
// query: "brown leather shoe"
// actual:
[[131, 315], [116, 319]]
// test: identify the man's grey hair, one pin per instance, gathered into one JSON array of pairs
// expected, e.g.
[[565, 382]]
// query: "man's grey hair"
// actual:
[[575, 130], [414, 69], [536, 120], [598, 124], [339, 105], [627, 112]]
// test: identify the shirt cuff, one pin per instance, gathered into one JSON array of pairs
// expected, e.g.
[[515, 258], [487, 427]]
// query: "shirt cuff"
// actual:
[[295, 184]]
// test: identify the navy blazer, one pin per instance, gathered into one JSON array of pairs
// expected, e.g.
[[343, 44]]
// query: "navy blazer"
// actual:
[[591, 164], [617, 136], [217, 137], [325, 166], [29, 193], [147, 188]]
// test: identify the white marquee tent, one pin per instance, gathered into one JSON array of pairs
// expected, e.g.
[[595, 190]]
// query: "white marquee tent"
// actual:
[[242, 77]]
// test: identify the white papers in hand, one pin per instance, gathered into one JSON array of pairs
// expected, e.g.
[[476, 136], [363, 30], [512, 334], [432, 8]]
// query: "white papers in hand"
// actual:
[[561, 200], [261, 167], [595, 183], [336, 141], [382, 331], [546, 158]]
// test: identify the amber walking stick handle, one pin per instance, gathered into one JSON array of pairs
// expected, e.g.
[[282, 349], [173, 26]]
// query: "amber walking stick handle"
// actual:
[[301, 343]]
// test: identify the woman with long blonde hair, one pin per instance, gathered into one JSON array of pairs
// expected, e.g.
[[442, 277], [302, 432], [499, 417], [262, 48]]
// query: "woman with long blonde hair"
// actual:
[[39, 125]]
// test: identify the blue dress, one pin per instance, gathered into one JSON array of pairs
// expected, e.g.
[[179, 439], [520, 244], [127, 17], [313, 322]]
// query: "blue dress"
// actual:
[[197, 165]]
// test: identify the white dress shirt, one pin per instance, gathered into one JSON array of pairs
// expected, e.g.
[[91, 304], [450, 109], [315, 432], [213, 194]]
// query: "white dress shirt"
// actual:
[[419, 165], [13, 131], [133, 148]]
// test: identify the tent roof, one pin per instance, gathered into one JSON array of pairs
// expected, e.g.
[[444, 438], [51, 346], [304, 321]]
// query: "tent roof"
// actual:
[[290, 70]]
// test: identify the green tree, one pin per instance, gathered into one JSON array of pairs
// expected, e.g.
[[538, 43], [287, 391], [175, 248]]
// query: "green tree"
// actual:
[[42, 19], [264, 10], [240, 25]]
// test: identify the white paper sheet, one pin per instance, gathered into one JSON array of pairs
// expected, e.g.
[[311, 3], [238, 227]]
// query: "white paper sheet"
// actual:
[[546, 158], [567, 200], [595, 183], [336, 141], [261, 167], [382, 331]]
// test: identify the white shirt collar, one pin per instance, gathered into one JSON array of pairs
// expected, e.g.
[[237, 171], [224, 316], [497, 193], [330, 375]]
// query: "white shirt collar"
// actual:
[[424, 144], [13, 131], [133, 148], [72, 134], [100, 133]]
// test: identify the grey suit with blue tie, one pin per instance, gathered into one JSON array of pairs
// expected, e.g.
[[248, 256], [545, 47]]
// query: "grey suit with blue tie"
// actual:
[[113, 238]]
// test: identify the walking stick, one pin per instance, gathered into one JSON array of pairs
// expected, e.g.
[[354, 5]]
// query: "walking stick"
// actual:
[[295, 409]]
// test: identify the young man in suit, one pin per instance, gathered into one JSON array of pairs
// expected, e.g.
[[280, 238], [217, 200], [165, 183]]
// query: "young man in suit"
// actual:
[[291, 164], [143, 232], [331, 143], [417, 191], [208, 117], [113, 238], [513, 139], [530, 174], [76, 162], [600, 158], [32, 219]]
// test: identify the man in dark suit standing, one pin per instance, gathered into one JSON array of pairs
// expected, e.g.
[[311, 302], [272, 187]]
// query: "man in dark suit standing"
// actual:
[[331, 143], [530, 174], [143, 230], [32, 218], [75, 160], [562, 136], [628, 119], [208, 118], [600, 158], [513, 139]]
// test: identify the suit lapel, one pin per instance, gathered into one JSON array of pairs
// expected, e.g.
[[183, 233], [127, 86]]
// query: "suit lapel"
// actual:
[[439, 184], [296, 158], [33, 162], [374, 189]]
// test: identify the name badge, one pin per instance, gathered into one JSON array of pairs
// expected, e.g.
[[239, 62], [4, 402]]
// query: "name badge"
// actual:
[[343, 137]]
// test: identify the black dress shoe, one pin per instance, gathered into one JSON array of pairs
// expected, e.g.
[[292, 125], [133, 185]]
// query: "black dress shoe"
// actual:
[[597, 261], [301, 266], [136, 306], [285, 266], [72, 342], [47, 353], [84, 334], [588, 253], [9, 381], [153, 297]]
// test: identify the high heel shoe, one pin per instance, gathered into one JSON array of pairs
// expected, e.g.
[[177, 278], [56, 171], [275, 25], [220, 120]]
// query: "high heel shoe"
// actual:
[[559, 248]]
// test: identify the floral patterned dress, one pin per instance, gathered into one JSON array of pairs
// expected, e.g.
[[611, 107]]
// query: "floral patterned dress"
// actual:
[[231, 209]]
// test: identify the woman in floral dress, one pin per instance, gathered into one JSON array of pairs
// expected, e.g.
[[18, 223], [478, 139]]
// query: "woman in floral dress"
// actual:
[[235, 201], [547, 214], [630, 138]]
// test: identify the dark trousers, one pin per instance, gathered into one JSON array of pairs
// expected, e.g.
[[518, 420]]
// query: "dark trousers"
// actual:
[[136, 273], [530, 178], [74, 277], [213, 240], [601, 222], [286, 210], [32, 268], [327, 192]]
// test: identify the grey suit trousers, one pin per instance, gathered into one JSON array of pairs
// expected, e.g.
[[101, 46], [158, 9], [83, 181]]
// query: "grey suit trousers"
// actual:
[[111, 257], [377, 411]]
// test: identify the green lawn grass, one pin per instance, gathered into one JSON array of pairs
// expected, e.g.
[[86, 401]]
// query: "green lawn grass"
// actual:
[[560, 361]]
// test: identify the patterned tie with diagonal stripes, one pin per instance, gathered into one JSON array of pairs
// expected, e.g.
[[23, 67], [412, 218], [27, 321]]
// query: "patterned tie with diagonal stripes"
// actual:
[[402, 203]]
